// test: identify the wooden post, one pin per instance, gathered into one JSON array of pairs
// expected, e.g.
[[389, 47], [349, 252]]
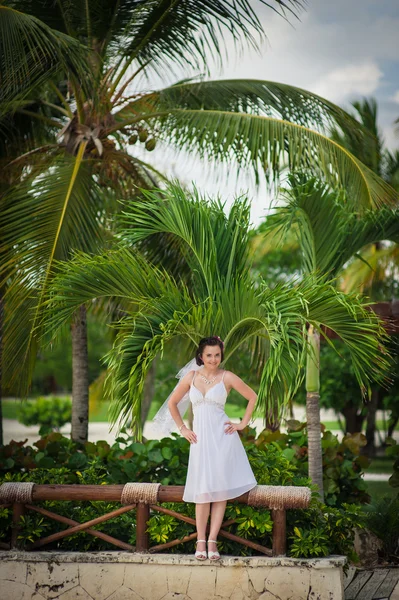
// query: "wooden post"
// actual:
[[142, 539], [279, 532], [18, 510]]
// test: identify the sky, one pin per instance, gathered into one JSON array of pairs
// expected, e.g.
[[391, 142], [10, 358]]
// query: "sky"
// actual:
[[343, 50]]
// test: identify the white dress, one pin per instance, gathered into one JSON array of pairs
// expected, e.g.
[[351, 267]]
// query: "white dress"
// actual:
[[218, 467]]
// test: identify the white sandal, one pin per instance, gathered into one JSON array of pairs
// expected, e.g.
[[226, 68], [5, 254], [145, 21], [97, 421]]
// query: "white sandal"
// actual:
[[200, 554], [213, 555]]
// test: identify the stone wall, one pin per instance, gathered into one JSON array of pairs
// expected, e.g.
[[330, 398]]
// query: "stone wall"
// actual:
[[130, 576]]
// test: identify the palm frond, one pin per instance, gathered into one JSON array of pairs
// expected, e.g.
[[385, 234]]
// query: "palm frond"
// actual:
[[382, 225], [368, 149], [118, 273], [254, 97], [18, 345], [161, 32], [362, 331], [142, 338], [263, 127], [31, 53], [369, 267], [329, 234], [269, 323], [41, 221], [181, 33], [210, 243], [390, 168], [319, 221]]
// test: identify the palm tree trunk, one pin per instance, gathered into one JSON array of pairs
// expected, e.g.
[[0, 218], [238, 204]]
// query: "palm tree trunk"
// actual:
[[80, 377], [313, 410], [148, 394], [371, 423]]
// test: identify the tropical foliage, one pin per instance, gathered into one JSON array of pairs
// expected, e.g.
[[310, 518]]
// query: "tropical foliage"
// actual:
[[376, 270], [218, 295], [328, 236], [343, 464], [49, 413], [340, 392], [68, 176], [317, 531]]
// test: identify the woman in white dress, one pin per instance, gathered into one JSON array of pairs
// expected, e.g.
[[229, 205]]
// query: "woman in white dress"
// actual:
[[218, 468]]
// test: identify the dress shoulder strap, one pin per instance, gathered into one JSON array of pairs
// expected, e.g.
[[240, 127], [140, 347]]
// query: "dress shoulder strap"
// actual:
[[192, 381], [224, 372]]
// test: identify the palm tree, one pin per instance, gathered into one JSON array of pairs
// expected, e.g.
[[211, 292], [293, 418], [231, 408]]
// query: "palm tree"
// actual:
[[73, 177], [328, 235], [376, 270], [220, 296], [37, 54], [369, 271], [369, 149]]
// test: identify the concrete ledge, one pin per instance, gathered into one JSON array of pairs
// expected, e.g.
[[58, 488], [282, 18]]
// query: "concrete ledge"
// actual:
[[133, 576]]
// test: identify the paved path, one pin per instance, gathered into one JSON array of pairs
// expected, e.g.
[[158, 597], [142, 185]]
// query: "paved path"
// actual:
[[13, 430]]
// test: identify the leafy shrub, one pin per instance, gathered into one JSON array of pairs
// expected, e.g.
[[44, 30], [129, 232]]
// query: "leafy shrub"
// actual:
[[52, 451], [49, 413], [322, 530], [383, 520], [342, 463], [392, 451], [34, 526], [316, 531]]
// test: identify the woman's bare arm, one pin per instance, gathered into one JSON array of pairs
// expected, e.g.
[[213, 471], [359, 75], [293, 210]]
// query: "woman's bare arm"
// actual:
[[181, 389], [234, 382]]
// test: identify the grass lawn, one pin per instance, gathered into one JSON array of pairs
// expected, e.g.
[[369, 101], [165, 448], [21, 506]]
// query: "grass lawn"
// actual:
[[9, 408], [378, 489], [381, 465]]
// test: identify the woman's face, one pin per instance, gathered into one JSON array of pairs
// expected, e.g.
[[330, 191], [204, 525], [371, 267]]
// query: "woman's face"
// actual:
[[212, 356]]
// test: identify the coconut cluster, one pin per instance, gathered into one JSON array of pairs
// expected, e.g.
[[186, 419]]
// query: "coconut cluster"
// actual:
[[141, 134]]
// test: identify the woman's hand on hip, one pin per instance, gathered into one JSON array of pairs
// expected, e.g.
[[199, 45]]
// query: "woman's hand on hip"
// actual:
[[232, 427], [189, 435]]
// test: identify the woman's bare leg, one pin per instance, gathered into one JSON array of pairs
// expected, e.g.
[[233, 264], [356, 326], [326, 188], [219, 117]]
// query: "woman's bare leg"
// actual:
[[217, 514], [201, 520]]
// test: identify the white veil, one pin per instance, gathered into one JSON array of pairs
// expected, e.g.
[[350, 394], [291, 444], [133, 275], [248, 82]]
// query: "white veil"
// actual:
[[163, 418]]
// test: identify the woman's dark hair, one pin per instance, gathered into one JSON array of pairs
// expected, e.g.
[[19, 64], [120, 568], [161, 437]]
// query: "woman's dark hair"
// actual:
[[208, 341]]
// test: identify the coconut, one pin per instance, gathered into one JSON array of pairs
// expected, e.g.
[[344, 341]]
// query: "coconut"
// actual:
[[150, 144], [143, 135]]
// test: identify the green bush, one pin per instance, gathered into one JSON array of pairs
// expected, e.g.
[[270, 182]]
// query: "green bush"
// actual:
[[49, 413], [317, 531], [392, 451], [34, 526], [382, 518], [342, 463], [327, 530]]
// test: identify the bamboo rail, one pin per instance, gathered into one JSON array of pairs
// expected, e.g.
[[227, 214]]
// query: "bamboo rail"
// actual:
[[113, 493]]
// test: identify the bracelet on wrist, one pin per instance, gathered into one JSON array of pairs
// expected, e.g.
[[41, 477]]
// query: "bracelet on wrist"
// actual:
[[181, 427]]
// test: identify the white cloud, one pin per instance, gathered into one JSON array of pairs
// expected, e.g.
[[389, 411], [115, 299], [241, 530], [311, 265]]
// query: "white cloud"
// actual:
[[348, 81], [341, 50]]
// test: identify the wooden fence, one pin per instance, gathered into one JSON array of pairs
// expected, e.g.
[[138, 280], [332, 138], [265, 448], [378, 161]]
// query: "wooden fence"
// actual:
[[21, 497]]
